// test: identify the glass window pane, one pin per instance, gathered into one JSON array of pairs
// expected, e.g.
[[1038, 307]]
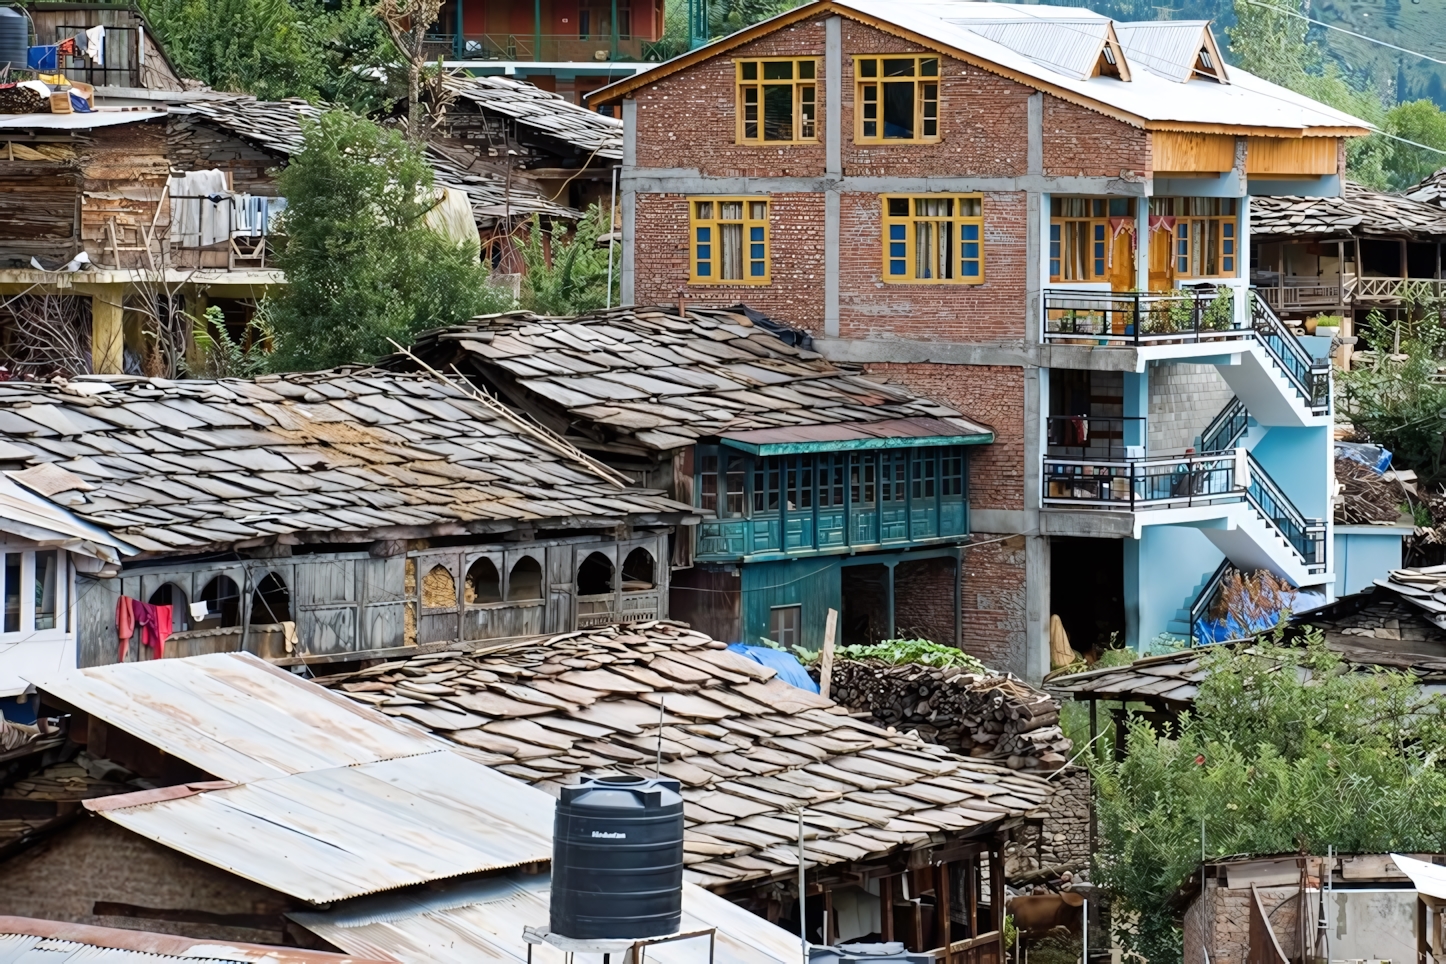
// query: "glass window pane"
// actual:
[[899, 68], [868, 67], [929, 67], [757, 210], [899, 110], [46, 562], [778, 70], [12, 592], [778, 112], [731, 238], [805, 69], [898, 207], [750, 71], [734, 480], [704, 211], [731, 210]]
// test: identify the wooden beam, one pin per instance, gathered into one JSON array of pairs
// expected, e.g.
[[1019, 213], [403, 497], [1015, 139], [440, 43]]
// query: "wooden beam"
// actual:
[[942, 910], [996, 887], [971, 891], [886, 908]]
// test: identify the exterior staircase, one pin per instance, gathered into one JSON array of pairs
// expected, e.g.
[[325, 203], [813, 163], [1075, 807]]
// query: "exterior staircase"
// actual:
[[1277, 380]]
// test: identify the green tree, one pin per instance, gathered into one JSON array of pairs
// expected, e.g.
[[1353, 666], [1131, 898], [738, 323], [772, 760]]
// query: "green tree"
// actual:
[[1285, 751], [1423, 122], [361, 266], [277, 48], [568, 275]]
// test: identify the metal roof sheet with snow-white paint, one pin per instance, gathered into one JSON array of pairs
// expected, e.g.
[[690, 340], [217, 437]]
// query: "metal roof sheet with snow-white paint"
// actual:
[[1170, 48], [331, 834], [482, 920], [236, 716], [1069, 46], [27, 940]]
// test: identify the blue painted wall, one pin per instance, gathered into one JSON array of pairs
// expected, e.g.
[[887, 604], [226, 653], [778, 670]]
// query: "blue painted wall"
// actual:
[[1296, 460], [810, 583], [1164, 569], [1363, 557]]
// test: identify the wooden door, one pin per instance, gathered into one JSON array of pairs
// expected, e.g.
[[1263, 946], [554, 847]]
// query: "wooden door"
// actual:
[[1162, 262], [1122, 262]]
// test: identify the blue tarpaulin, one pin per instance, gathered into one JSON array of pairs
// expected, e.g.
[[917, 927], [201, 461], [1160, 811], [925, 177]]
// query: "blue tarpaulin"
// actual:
[[1231, 628], [789, 669]]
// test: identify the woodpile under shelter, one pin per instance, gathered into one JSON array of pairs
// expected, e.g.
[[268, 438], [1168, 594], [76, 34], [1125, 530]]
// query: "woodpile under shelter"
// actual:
[[818, 488], [903, 840], [311, 517], [264, 808]]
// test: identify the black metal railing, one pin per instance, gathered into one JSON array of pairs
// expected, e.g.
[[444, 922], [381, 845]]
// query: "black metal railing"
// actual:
[[1306, 536], [1226, 428], [1139, 318], [1201, 606], [1142, 483], [1095, 437], [1310, 376]]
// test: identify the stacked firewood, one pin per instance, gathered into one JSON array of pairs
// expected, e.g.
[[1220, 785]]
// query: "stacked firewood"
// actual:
[[993, 717], [1365, 495]]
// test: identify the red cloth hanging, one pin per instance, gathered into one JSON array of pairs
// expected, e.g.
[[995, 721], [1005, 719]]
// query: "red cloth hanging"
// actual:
[[125, 624], [162, 630], [1162, 222]]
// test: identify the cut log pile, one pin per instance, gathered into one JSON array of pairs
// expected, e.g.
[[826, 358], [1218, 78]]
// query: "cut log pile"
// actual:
[[991, 717], [1365, 496]]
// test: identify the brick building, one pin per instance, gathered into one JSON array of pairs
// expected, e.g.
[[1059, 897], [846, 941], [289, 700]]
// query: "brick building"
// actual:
[[1039, 217]]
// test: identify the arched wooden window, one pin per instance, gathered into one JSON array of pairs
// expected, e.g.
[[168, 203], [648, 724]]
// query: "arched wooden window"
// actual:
[[484, 582], [223, 603], [525, 580], [638, 571], [170, 594], [595, 575], [271, 602]]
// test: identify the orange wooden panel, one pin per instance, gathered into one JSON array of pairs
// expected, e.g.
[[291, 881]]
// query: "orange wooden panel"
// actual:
[[1209, 153], [1292, 156]]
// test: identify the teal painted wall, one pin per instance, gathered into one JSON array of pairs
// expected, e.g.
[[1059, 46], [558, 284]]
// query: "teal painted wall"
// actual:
[[810, 583], [1363, 557], [1164, 569]]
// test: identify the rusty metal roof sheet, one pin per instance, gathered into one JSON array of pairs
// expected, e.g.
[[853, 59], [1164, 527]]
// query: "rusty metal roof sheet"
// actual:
[[543, 111], [25, 940], [661, 379], [1359, 210], [471, 921], [196, 465], [330, 834], [748, 748], [236, 716]]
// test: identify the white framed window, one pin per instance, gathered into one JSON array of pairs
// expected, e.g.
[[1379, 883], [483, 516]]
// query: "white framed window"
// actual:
[[35, 591], [785, 624]]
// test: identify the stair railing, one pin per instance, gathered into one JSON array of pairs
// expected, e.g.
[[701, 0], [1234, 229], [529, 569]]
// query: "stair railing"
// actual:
[[1226, 428], [1309, 376], [1201, 606], [1305, 536]]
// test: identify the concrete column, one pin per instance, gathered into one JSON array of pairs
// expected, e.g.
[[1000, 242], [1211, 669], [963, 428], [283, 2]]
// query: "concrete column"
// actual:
[[626, 275], [833, 141], [1142, 243], [1035, 118], [107, 331]]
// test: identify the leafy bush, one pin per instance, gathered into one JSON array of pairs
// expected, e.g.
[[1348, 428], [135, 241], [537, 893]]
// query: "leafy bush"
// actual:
[[361, 265], [1286, 751], [223, 356], [896, 652], [570, 276]]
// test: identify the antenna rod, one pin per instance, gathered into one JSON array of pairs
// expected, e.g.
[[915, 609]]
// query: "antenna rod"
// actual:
[[802, 916]]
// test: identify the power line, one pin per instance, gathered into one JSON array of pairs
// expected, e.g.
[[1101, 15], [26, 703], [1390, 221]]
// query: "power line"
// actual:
[[1352, 33]]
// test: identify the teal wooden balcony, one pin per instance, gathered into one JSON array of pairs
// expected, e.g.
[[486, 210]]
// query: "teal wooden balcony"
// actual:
[[763, 507]]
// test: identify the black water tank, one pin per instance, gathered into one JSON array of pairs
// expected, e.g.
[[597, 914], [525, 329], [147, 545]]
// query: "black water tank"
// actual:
[[617, 859], [14, 38]]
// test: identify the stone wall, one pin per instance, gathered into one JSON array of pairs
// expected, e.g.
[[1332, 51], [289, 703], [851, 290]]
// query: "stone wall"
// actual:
[[1219, 923], [1183, 400], [1062, 843]]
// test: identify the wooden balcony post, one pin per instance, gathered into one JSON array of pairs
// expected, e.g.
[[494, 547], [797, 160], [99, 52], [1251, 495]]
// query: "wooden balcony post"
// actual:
[[886, 908], [941, 909], [996, 885]]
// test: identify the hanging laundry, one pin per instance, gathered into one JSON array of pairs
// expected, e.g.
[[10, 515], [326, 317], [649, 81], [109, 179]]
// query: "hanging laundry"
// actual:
[[95, 45], [125, 624], [200, 208], [199, 611], [160, 631], [66, 48]]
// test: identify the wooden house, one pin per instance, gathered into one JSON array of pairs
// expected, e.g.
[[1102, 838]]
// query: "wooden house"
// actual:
[[818, 489], [310, 518]]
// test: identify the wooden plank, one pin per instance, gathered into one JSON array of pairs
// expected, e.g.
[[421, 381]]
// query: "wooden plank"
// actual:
[[1173, 151], [825, 672], [1292, 156]]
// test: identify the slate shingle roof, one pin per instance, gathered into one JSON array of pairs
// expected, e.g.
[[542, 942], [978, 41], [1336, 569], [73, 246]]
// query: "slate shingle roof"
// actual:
[[1359, 210], [544, 112], [748, 748], [173, 466], [665, 379]]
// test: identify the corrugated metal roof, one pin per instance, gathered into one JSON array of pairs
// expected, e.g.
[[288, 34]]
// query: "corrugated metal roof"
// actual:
[[331, 834], [236, 716], [1069, 46], [78, 122], [32, 941], [893, 432], [27, 515], [1170, 48], [482, 920]]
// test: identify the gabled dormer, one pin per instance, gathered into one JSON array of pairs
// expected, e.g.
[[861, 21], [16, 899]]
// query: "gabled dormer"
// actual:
[[1079, 47], [1178, 50]]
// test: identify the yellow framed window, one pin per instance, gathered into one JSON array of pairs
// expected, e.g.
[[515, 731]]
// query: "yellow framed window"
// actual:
[[934, 239], [1205, 234], [1080, 236], [777, 101], [729, 240], [897, 99]]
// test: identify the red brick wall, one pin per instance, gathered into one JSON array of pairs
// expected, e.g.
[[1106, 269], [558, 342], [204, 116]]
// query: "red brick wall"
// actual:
[[688, 120], [1080, 142], [993, 611], [983, 122], [989, 312], [994, 394], [924, 599], [661, 253]]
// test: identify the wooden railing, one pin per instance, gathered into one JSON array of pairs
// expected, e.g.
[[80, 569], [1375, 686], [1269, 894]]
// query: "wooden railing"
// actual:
[[987, 948], [1289, 298], [1390, 289]]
